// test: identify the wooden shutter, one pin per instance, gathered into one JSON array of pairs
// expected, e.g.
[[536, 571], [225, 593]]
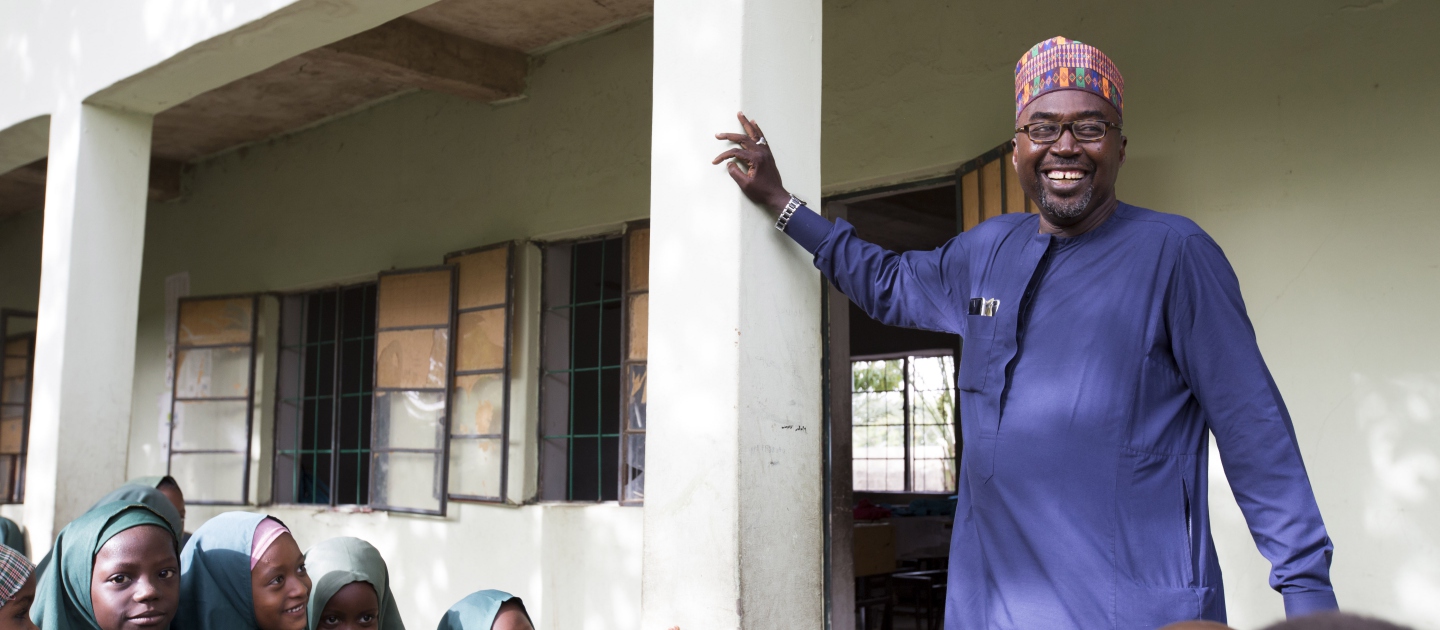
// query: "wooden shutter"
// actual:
[[413, 366], [480, 389], [988, 187], [212, 402], [634, 365]]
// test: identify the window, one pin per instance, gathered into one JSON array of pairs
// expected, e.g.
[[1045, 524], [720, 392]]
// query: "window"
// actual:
[[323, 401], [211, 403], [17, 333], [594, 350], [415, 314], [989, 187], [365, 379], [903, 430], [480, 414]]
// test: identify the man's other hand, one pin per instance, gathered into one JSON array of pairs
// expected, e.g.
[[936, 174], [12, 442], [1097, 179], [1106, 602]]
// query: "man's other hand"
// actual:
[[752, 166]]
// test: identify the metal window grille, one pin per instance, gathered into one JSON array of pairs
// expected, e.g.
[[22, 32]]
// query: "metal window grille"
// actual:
[[583, 330], [903, 428], [17, 333], [212, 408], [480, 389], [324, 398], [414, 366]]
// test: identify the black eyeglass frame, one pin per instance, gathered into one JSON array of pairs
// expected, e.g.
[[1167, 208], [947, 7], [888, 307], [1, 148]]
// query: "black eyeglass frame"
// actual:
[[1025, 129]]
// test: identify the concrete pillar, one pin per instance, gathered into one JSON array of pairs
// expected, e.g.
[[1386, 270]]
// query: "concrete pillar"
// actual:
[[734, 500], [89, 297]]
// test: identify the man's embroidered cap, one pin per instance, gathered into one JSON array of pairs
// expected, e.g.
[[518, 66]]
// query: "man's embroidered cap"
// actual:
[[1065, 64]]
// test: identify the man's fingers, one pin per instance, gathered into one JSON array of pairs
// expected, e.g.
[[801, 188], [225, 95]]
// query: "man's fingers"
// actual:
[[758, 133], [749, 156], [737, 138], [738, 174], [748, 126], [727, 156]]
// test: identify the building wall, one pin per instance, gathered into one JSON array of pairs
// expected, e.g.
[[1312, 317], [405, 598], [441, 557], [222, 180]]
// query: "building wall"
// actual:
[[1297, 133], [397, 186]]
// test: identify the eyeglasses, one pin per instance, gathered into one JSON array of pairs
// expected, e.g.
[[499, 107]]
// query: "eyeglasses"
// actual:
[[1083, 130]]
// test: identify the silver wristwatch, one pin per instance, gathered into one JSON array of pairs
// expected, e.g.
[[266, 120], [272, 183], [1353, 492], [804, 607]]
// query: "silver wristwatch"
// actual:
[[788, 212]]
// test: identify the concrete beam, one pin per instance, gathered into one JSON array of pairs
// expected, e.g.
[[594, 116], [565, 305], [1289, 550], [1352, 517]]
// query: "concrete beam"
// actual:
[[271, 37], [429, 59], [734, 503]]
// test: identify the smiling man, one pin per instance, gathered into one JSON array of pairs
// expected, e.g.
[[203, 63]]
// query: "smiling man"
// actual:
[[1103, 344]]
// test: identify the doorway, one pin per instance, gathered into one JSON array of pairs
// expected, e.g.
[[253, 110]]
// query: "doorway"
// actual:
[[893, 438]]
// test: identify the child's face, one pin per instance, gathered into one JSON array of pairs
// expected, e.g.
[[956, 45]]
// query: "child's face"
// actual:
[[135, 582], [280, 586], [351, 607], [15, 615]]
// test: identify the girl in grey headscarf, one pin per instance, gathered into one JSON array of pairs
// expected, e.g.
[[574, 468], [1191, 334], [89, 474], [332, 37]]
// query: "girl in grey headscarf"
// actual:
[[351, 587]]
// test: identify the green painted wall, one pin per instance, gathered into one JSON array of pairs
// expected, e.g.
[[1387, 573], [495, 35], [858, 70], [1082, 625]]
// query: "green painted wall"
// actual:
[[399, 185], [20, 261]]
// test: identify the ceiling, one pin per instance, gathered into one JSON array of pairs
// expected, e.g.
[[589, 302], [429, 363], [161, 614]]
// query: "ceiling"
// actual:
[[477, 49]]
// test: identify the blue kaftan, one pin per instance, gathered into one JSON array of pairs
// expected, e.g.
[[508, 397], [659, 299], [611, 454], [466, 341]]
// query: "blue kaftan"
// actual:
[[1085, 400]]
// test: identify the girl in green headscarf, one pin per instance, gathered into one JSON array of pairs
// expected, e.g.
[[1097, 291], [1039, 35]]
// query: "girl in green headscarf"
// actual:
[[487, 610], [352, 587], [166, 485], [137, 491], [116, 567], [243, 571]]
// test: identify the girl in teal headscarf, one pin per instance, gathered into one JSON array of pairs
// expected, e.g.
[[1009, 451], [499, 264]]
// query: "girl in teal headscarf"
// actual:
[[242, 571], [114, 567], [487, 610], [352, 587]]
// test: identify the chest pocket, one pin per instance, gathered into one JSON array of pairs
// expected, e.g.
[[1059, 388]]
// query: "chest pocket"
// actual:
[[975, 352]]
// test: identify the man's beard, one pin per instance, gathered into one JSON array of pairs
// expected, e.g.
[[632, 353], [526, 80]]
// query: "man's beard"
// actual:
[[1064, 209]]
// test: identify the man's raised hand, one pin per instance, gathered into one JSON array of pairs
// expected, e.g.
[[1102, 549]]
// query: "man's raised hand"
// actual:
[[752, 166]]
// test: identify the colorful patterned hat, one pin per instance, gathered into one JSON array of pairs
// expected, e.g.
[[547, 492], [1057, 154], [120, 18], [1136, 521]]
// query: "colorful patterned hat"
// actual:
[[1065, 64], [15, 570]]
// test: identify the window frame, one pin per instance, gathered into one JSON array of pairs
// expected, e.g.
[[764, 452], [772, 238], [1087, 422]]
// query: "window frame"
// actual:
[[443, 431], [506, 371], [908, 417], [622, 234], [248, 398], [16, 494], [626, 362], [279, 346]]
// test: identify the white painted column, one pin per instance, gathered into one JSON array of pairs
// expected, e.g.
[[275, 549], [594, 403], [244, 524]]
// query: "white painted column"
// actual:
[[89, 297], [733, 506]]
